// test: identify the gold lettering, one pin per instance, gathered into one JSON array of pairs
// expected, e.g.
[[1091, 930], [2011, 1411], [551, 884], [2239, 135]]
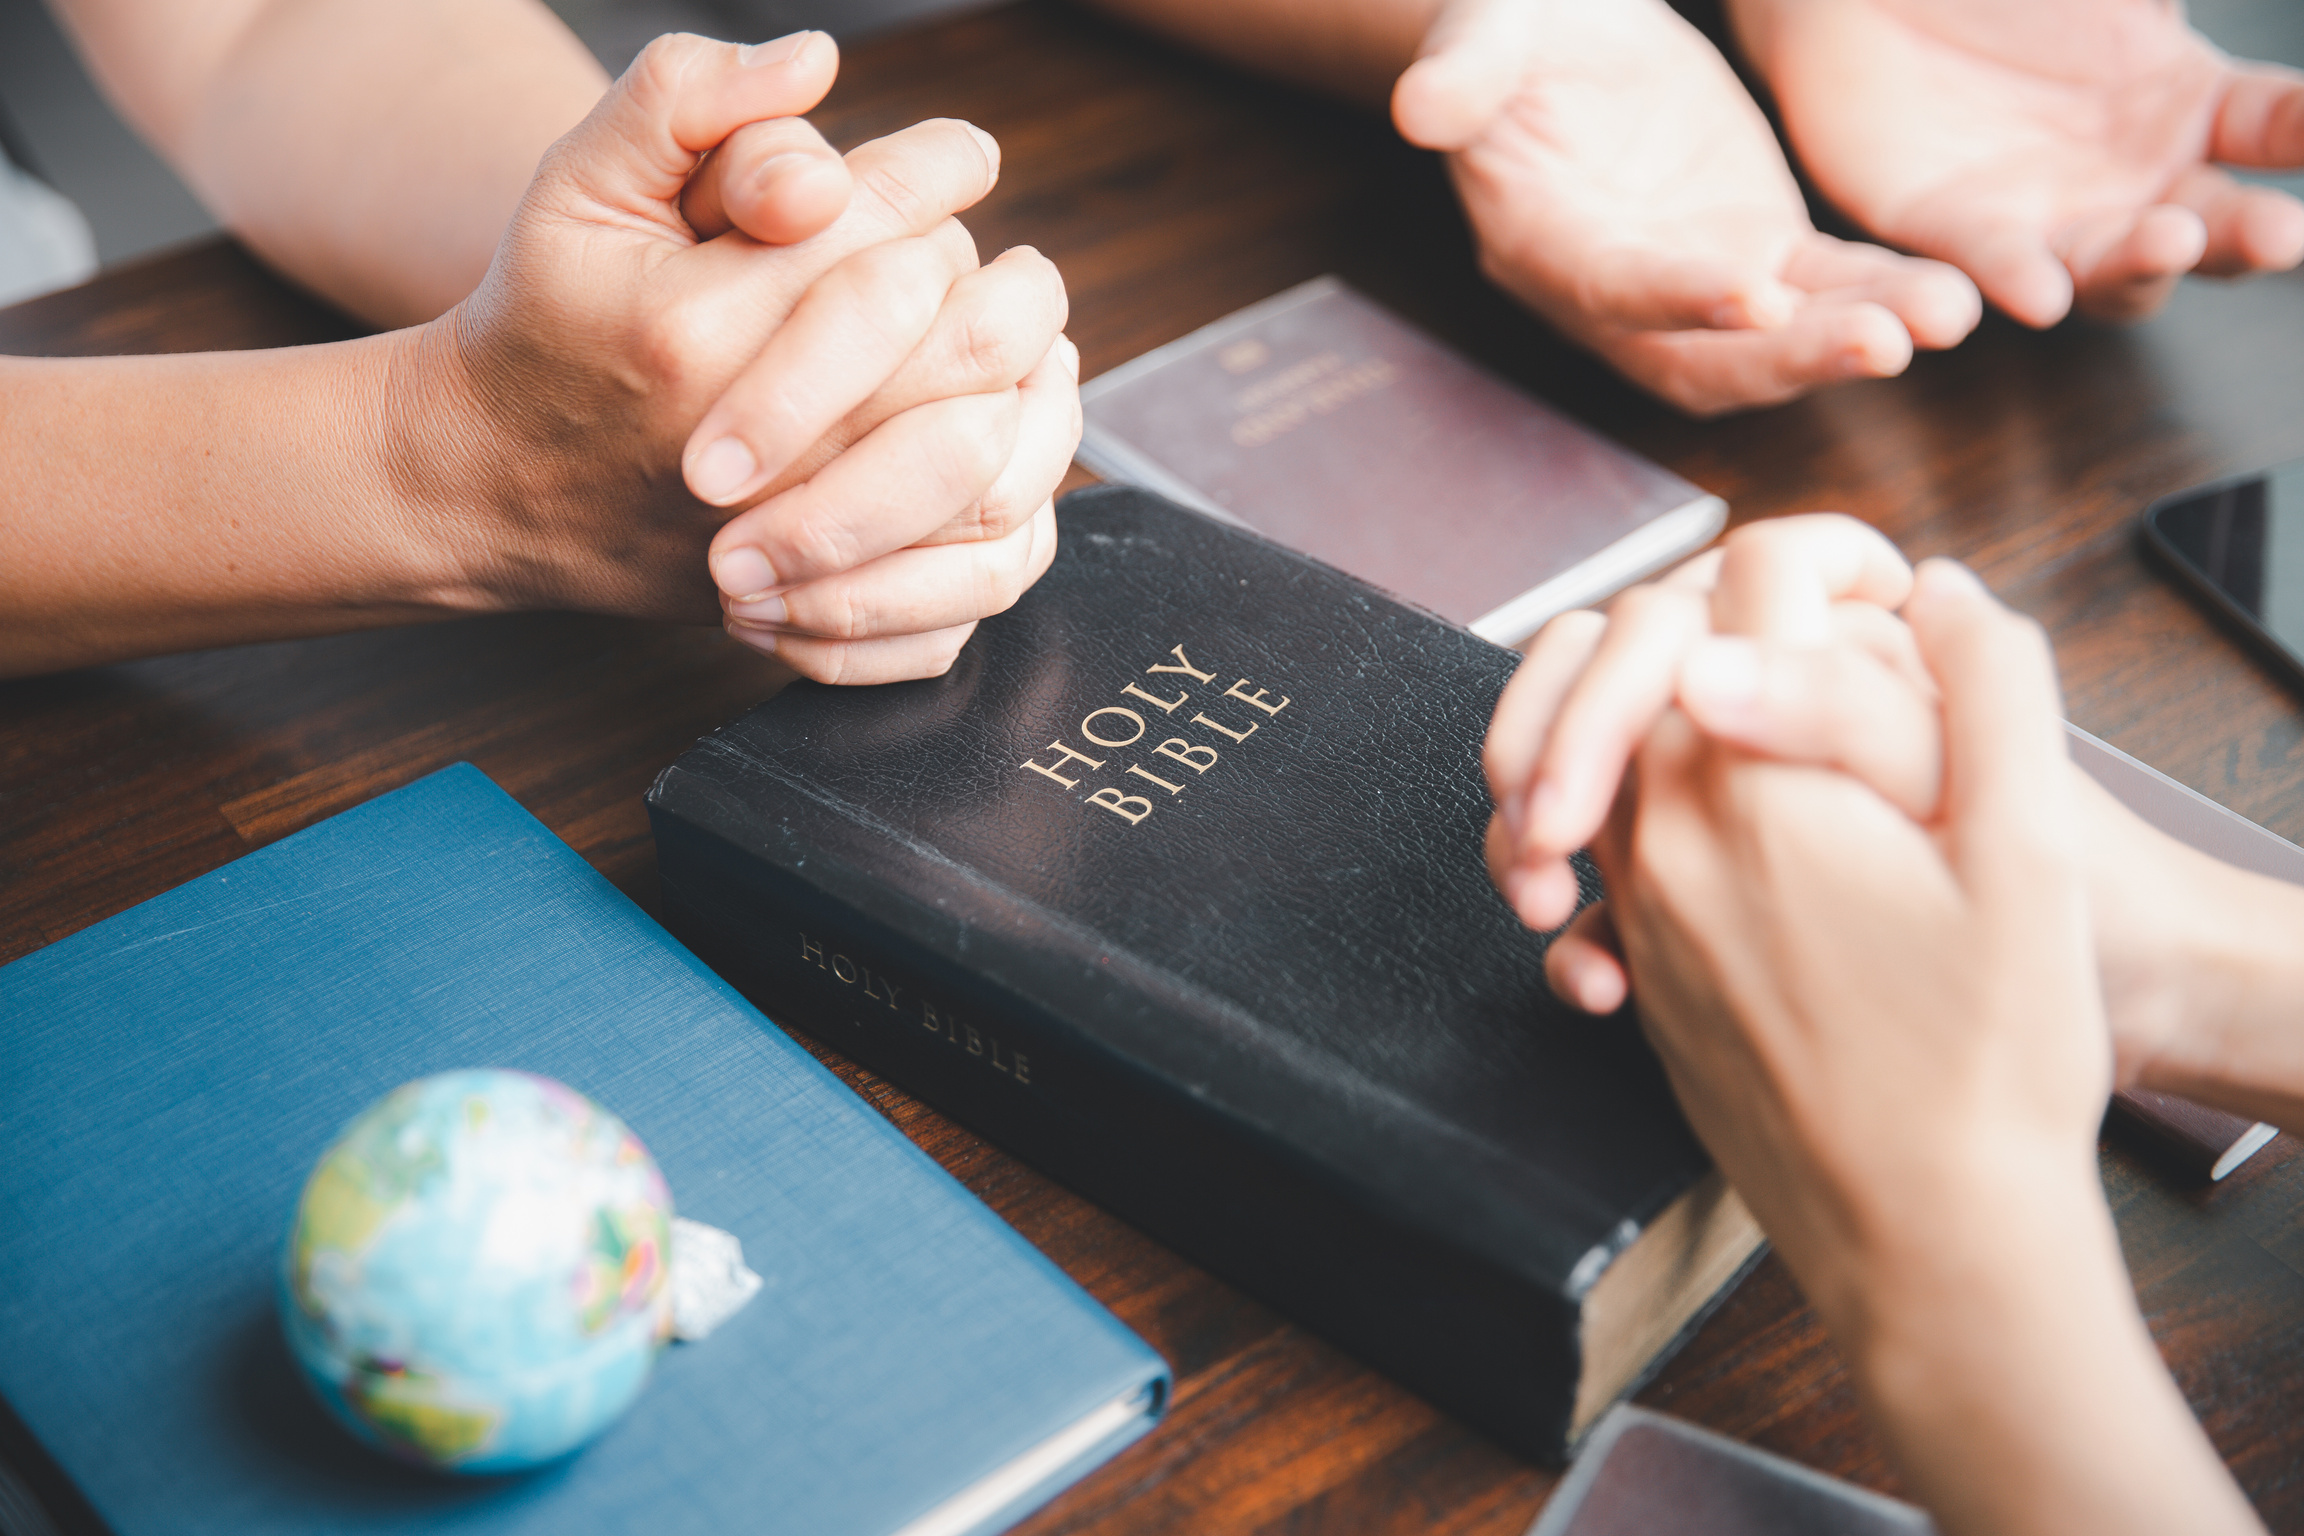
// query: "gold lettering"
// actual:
[[1312, 369], [1049, 770], [1187, 668], [975, 1041], [808, 948], [889, 996], [929, 1018], [1225, 729], [1174, 789], [848, 975], [1289, 399], [1197, 758], [1023, 1068], [997, 1064], [1118, 804], [1107, 741], [1167, 706], [1255, 697]]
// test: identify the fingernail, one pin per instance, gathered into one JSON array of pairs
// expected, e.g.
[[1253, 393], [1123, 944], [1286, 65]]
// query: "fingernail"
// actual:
[[743, 572], [779, 50], [758, 610], [777, 165], [761, 640], [1070, 355], [1721, 673], [991, 148], [721, 471]]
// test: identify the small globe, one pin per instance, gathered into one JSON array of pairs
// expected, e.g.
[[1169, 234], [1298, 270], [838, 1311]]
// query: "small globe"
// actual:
[[475, 1278]]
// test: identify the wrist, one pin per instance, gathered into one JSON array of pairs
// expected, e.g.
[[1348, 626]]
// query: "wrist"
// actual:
[[1992, 1225], [2233, 973], [449, 474], [2016, 1385]]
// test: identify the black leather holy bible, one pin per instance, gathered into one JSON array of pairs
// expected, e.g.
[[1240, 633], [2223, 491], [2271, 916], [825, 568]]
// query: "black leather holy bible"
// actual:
[[1173, 886]]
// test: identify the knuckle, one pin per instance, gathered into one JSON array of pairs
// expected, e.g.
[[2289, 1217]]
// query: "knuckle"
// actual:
[[1003, 583], [957, 245], [1640, 605], [947, 650], [676, 338], [897, 286], [988, 348], [906, 187], [818, 540], [849, 618], [828, 664], [974, 448], [661, 69], [980, 521]]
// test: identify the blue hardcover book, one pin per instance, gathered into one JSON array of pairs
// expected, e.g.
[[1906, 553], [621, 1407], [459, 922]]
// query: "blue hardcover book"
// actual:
[[169, 1076]]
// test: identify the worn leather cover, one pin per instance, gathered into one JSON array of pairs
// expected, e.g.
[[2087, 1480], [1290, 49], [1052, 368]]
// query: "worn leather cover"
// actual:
[[1261, 999], [172, 1074]]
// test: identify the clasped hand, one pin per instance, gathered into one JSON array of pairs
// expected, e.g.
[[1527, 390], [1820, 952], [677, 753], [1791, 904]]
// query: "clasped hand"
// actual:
[[1894, 949], [842, 444]]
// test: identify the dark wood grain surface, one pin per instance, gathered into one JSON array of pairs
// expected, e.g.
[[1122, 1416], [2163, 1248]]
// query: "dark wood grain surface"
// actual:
[[1171, 192]]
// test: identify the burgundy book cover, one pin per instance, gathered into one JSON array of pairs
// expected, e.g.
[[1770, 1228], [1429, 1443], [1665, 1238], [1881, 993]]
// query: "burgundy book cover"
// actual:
[[1643, 1473], [1326, 423], [2206, 1143]]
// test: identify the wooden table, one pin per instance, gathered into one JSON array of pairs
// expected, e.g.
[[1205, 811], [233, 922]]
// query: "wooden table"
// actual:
[[1171, 192]]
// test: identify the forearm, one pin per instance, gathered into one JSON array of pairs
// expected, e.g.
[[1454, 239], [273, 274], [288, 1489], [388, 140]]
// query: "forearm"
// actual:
[[2001, 1353], [372, 152], [2240, 1040], [167, 503], [1349, 48]]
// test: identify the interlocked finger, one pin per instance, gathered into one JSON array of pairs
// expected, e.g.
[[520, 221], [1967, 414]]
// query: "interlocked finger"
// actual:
[[777, 181], [998, 321], [854, 663], [847, 334], [910, 476], [909, 591], [1047, 435], [1825, 706]]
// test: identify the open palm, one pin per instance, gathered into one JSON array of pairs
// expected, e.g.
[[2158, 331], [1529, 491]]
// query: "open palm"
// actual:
[[2061, 152], [1622, 184]]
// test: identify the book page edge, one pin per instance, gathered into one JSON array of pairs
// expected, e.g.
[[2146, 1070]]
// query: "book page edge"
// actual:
[[966, 1511], [1214, 331], [1100, 453], [1647, 549], [2250, 1143]]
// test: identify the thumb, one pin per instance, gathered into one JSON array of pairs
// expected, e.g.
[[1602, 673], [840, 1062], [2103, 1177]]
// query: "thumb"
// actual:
[[634, 153], [1472, 60]]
